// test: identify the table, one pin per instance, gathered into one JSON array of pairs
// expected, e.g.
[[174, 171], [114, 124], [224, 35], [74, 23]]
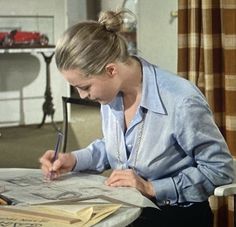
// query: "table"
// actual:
[[23, 185], [47, 53]]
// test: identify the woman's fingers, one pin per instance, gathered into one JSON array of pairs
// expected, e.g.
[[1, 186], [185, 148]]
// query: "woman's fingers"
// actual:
[[128, 178], [122, 178], [63, 164], [45, 160]]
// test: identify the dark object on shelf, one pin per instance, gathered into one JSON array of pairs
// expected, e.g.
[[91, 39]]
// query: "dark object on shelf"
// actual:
[[130, 25], [22, 38], [131, 41]]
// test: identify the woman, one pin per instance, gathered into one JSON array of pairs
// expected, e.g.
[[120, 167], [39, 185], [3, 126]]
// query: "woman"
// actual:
[[159, 133]]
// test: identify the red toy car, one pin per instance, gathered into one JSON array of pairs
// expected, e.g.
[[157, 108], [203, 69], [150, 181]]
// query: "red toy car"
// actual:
[[23, 38]]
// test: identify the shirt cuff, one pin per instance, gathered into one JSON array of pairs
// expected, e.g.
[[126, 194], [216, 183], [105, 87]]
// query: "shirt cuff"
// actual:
[[165, 191], [83, 160]]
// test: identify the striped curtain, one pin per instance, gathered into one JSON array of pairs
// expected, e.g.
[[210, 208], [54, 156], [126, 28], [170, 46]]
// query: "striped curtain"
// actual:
[[207, 57]]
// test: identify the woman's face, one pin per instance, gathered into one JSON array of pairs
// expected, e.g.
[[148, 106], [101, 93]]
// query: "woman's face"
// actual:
[[100, 88]]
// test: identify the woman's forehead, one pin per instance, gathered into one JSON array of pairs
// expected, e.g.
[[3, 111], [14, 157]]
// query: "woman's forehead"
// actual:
[[74, 76]]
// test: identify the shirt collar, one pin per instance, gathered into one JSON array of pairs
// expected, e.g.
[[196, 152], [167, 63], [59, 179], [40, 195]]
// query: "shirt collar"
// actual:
[[151, 98]]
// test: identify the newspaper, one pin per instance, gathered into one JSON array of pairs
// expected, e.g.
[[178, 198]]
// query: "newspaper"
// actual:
[[79, 194]]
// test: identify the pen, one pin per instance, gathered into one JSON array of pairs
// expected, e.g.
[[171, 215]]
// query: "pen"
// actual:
[[56, 150], [57, 146]]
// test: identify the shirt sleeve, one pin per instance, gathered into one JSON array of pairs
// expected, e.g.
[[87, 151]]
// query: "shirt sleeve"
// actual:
[[92, 157], [200, 138]]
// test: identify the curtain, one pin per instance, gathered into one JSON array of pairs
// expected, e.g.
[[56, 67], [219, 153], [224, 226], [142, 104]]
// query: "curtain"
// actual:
[[207, 57]]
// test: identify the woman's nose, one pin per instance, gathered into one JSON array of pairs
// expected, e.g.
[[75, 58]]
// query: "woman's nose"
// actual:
[[83, 94]]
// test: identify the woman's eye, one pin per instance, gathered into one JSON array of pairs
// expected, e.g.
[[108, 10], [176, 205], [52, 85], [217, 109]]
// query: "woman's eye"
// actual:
[[85, 88]]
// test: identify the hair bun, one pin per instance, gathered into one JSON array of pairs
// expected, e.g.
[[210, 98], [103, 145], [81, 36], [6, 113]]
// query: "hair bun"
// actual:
[[111, 20]]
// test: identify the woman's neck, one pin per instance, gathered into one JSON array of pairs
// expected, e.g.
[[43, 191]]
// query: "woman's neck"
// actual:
[[132, 90], [132, 79]]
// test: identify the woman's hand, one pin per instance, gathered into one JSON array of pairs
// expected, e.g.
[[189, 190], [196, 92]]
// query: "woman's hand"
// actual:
[[128, 178], [63, 164]]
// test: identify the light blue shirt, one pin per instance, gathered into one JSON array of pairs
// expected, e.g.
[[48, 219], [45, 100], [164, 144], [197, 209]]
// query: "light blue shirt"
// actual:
[[178, 148]]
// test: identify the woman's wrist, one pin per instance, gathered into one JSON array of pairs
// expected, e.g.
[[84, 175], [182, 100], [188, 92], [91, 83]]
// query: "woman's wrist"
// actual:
[[73, 162], [150, 190]]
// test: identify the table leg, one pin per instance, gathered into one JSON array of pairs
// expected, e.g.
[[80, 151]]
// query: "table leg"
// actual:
[[48, 108]]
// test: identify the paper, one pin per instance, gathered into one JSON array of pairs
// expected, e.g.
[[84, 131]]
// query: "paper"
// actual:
[[88, 214], [22, 222], [85, 215], [82, 195], [29, 187]]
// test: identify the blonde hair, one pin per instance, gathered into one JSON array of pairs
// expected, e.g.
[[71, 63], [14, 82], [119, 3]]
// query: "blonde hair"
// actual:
[[91, 45]]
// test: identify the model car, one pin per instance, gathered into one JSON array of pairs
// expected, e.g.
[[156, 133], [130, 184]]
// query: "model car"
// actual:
[[24, 38]]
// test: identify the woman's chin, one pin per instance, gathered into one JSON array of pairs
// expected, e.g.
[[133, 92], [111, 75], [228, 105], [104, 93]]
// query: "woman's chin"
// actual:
[[103, 102]]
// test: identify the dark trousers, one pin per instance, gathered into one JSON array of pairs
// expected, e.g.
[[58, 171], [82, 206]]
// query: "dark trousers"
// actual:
[[196, 215]]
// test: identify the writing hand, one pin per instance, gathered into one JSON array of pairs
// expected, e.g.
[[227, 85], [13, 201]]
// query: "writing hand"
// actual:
[[63, 164]]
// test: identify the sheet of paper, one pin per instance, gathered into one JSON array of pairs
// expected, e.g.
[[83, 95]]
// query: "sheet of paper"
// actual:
[[29, 187], [22, 221], [101, 213], [120, 219], [88, 214]]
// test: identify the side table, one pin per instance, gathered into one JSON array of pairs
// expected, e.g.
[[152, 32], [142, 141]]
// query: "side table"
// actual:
[[47, 53]]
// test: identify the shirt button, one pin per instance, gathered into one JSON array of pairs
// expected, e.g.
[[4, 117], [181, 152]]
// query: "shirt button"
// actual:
[[167, 202]]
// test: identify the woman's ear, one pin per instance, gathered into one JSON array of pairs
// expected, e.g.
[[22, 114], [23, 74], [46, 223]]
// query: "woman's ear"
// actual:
[[111, 69]]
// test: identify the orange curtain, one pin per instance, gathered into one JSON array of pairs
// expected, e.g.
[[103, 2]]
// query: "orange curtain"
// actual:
[[207, 57]]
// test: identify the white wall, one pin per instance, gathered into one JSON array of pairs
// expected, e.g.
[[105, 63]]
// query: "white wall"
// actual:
[[23, 76], [111, 5], [76, 11], [157, 32]]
